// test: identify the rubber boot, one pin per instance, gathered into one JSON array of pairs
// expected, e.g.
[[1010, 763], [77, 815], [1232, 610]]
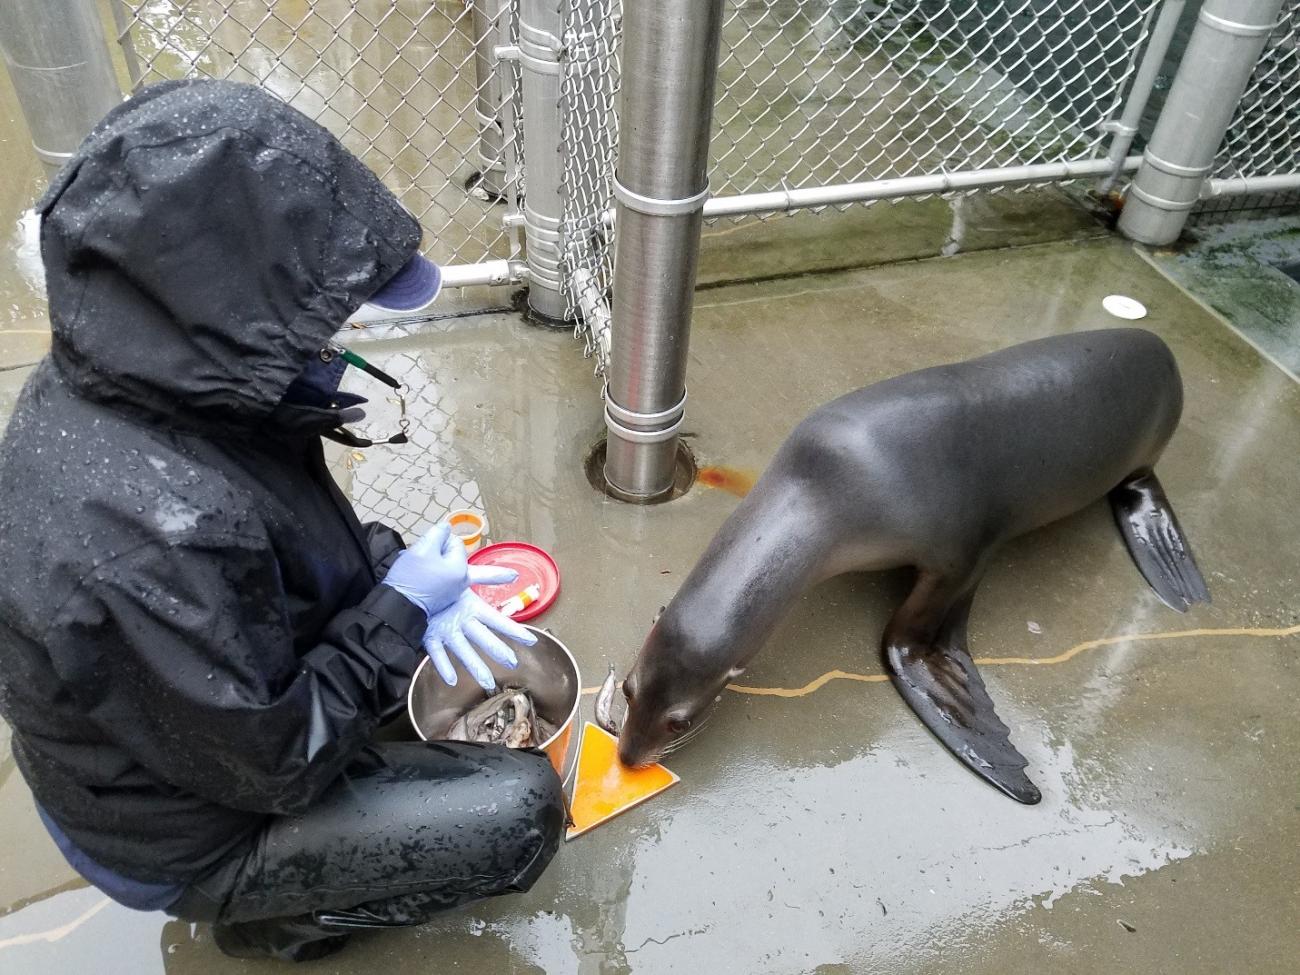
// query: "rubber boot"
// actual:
[[286, 938]]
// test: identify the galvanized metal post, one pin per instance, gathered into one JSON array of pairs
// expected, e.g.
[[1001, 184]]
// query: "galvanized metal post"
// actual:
[[491, 177], [59, 64], [123, 21], [1221, 56], [541, 24], [1144, 82], [670, 66], [587, 116]]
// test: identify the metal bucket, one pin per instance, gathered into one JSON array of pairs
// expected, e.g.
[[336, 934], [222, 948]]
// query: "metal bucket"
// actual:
[[547, 670]]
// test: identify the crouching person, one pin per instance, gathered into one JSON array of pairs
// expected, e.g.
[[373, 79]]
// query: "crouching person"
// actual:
[[197, 636]]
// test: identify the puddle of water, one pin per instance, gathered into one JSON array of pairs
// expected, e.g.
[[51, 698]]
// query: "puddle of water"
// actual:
[[870, 861], [27, 251], [22, 274]]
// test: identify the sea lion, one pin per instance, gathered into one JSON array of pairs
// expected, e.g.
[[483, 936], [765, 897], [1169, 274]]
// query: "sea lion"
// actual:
[[933, 469]]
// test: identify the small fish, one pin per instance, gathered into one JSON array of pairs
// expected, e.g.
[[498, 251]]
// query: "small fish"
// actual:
[[507, 718], [605, 703]]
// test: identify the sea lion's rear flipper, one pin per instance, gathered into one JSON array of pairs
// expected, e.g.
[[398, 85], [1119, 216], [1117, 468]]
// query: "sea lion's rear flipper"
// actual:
[[1157, 543], [940, 683]]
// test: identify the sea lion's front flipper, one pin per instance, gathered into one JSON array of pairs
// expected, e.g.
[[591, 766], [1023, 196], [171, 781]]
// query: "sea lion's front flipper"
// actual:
[[939, 682], [1157, 543]]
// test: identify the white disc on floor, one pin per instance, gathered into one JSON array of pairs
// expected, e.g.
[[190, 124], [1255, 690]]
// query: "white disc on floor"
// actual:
[[1120, 306]]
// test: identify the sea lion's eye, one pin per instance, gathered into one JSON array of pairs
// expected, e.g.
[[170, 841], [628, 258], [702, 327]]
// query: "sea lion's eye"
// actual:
[[679, 726]]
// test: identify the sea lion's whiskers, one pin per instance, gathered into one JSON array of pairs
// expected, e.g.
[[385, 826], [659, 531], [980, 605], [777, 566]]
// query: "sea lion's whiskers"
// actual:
[[687, 736]]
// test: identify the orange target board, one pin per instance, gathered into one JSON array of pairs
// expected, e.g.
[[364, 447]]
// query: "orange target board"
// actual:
[[604, 787]]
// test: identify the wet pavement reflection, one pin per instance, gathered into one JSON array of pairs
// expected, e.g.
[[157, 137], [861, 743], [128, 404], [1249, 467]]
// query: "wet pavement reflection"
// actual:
[[824, 830]]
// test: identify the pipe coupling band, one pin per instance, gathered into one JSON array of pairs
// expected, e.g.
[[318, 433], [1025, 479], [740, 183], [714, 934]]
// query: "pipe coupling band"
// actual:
[[50, 157], [1173, 169], [617, 429], [1234, 28], [1159, 202], [659, 208], [624, 415]]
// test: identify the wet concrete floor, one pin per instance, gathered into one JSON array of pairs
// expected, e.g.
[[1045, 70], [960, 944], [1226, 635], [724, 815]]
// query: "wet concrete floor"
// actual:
[[818, 827], [1249, 272]]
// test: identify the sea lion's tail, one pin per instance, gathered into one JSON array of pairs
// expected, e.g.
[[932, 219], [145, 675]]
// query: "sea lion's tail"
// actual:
[[1156, 542]]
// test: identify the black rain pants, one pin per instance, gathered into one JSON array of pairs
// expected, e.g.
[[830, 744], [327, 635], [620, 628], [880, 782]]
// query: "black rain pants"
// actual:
[[411, 829]]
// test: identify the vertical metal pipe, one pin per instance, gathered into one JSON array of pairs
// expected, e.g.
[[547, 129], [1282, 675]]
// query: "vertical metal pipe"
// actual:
[[1144, 82], [670, 67], [541, 24], [123, 21], [587, 69], [1221, 56], [491, 178], [59, 65]]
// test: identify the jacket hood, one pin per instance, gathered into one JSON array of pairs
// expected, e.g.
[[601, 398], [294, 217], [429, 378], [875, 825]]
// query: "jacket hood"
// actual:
[[204, 242]]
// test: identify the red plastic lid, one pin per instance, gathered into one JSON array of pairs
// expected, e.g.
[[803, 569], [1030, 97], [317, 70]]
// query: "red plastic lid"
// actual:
[[534, 567]]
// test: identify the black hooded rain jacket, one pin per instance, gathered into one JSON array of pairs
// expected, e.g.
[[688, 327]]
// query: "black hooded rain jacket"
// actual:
[[191, 634]]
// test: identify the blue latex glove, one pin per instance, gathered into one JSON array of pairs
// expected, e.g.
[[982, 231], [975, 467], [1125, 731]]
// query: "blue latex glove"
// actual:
[[461, 627], [435, 571]]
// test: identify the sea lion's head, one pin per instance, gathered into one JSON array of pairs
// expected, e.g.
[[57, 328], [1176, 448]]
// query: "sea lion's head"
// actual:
[[670, 690]]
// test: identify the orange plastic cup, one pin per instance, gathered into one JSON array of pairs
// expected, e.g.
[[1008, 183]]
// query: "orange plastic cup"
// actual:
[[470, 527]]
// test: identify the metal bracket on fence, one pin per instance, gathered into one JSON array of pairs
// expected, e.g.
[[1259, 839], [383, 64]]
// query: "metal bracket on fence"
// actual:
[[539, 49], [1116, 127], [543, 249]]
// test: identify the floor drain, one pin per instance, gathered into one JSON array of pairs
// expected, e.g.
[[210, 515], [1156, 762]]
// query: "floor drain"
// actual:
[[685, 477]]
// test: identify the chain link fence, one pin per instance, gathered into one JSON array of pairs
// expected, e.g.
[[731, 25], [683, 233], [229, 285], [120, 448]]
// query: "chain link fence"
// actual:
[[810, 93], [395, 80], [849, 90], [843, 91], [589, 140], [1263, 138], [415, 485]]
